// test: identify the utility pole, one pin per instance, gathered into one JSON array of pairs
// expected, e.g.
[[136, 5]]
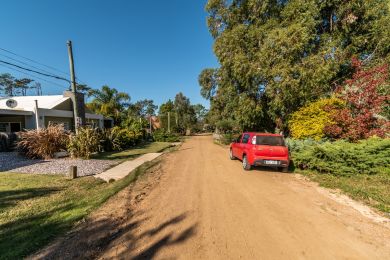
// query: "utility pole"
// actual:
[[169, 122], [77, 119]]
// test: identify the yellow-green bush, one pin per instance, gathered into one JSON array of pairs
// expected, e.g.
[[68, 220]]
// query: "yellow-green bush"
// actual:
[[84, 143], [117, 139], [310, 121]]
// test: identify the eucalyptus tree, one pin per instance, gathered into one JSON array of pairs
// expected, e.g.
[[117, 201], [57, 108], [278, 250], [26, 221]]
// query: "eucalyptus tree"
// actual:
[[276, 56]]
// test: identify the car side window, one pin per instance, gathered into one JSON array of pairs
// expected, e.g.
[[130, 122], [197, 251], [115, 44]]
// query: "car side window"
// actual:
[[245, 138]]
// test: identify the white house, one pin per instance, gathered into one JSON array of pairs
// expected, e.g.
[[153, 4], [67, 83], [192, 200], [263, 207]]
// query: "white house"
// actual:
[[30, 112]]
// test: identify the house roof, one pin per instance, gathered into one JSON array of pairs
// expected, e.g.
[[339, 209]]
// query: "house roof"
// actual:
[[27, 103]]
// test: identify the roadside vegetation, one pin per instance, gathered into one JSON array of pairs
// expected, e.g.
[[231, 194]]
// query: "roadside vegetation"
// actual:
[[35, 209]]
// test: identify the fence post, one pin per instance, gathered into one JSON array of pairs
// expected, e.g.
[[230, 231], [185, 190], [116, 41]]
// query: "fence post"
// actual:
[[73, 172]]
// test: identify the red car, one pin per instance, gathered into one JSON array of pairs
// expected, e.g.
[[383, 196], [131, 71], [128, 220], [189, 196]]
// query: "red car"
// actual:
[[261, 149]]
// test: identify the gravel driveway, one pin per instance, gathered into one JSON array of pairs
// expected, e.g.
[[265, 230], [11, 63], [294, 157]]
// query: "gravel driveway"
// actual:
[[13, 162]]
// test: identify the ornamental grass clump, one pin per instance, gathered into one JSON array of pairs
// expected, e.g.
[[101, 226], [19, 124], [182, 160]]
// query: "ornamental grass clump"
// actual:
[[43, 143], [84, 143]]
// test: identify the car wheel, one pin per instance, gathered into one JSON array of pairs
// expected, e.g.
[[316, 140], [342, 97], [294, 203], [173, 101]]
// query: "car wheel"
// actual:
[[245, 163], [284, 169], [231, 156]]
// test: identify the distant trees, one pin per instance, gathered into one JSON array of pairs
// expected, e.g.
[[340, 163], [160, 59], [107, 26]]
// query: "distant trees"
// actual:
[[142, 108], [135, 116], [186, 116], [182, 114], [7, 83], [112, 103], [11, 86], [277, 56]]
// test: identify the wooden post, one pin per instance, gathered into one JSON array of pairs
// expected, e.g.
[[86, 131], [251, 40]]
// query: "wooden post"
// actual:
[[73, 172]]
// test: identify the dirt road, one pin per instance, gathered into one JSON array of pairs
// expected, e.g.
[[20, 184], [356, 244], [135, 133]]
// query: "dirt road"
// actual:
[[204, 206]]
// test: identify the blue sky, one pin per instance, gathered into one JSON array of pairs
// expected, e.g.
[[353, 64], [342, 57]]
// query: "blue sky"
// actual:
[[150, 49]]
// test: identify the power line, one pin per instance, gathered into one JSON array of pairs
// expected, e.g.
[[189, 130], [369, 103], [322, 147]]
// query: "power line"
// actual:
[[31, 60], [47, 66], [34, 76], [24, 63], [43, 74]]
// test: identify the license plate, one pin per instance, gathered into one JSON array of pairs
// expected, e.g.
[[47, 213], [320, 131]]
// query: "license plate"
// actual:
[[271, 162]]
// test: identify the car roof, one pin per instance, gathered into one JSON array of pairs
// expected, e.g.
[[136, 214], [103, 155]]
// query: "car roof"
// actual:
[[262, 134]]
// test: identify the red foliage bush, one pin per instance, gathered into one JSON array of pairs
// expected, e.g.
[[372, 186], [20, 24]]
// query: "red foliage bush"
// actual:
[[360, 119]]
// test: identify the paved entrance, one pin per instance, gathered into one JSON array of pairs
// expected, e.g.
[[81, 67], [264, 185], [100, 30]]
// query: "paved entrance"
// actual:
[[122, 170]]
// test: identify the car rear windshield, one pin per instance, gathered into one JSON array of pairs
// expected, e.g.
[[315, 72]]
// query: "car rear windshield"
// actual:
[[270, 140]]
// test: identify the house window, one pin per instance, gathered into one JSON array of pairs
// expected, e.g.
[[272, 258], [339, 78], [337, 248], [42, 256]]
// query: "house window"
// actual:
[[10, 127], [4, 127], [15, 127]]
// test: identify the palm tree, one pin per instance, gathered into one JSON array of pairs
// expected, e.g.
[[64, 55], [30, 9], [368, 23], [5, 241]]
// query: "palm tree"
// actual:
[[109, 102]]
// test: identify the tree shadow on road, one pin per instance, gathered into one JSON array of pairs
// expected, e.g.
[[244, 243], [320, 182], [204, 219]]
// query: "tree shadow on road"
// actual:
[[172, 238], [167, 240], [90, 240]]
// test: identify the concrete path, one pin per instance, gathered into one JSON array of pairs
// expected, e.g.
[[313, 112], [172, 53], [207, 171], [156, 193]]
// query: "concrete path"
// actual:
[[122, 170]]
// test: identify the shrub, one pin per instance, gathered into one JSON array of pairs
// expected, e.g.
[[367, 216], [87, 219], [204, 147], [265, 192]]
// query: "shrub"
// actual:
[[297, 145], [160, 135], [127, 138], [310, 121], [43, 143], [228, 138], [369, 156], [84, 143], [226, 126], [366, 98]]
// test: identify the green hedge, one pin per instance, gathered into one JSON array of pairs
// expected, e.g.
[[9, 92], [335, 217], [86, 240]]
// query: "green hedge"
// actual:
[[369, 156], [161, 135], [228, 138]]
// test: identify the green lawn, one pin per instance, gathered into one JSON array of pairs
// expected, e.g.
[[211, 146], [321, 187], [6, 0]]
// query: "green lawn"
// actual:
[[153, 147], [34, 209], [374, 189]]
